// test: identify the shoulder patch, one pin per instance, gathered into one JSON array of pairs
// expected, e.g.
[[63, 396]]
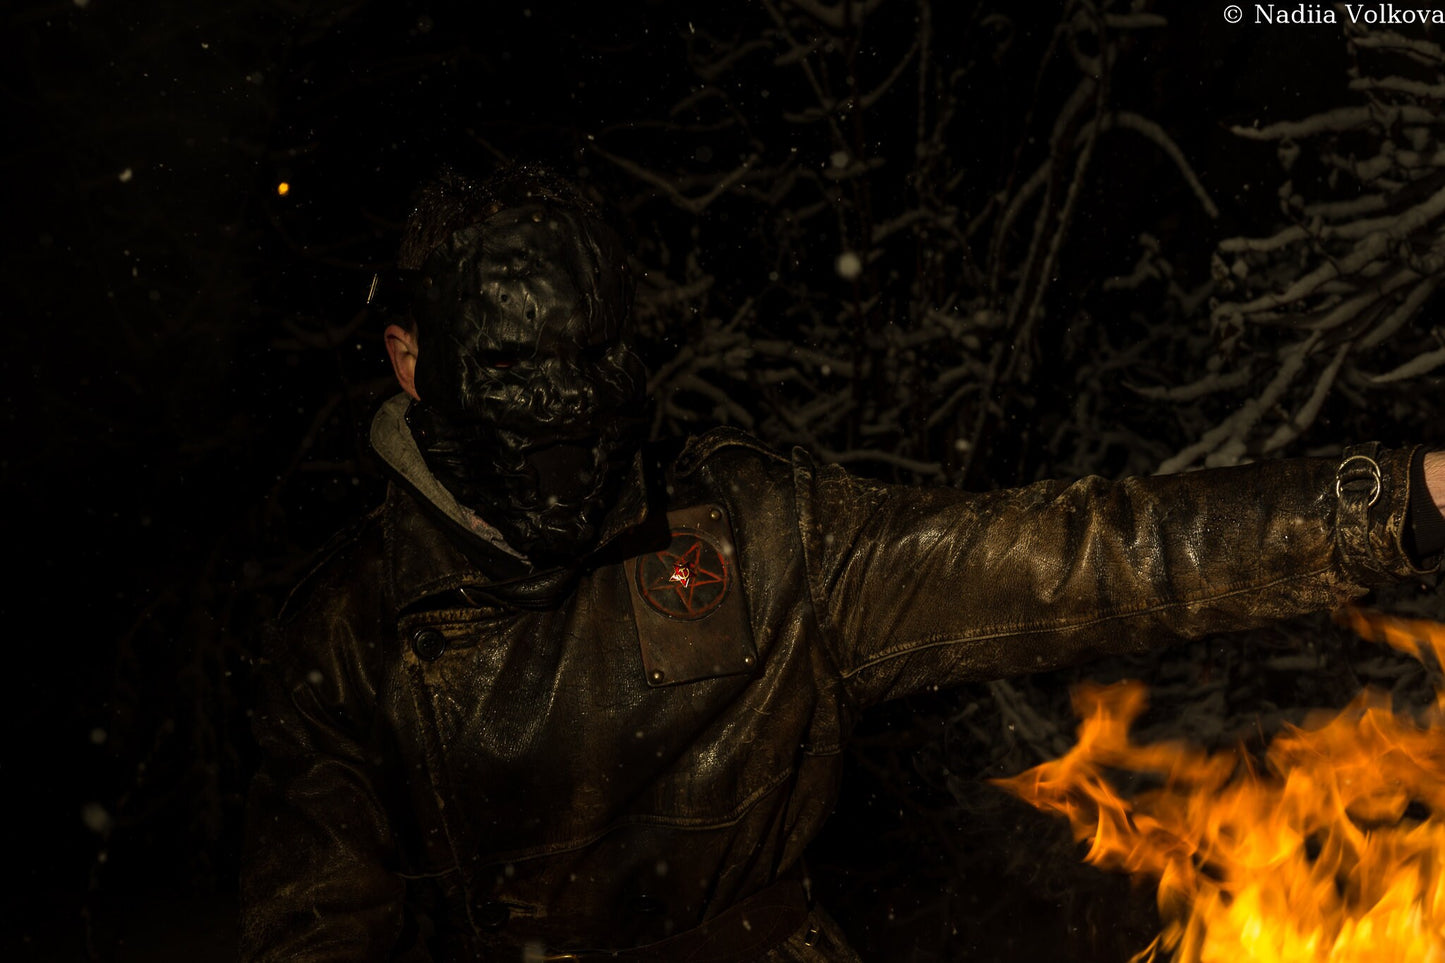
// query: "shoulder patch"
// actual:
[[688, 605], [700, 448]]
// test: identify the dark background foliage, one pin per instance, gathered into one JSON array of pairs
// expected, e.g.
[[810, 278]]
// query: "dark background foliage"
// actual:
[[954, 243]]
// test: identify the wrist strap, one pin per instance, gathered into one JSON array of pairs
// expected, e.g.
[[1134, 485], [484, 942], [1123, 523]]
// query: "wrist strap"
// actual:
[[1357, 487]]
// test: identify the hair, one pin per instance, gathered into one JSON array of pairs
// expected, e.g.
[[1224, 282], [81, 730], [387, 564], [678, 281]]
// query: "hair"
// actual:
[[450, 201]]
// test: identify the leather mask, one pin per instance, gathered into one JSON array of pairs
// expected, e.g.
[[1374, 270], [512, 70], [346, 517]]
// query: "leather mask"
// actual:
[[532, 404]]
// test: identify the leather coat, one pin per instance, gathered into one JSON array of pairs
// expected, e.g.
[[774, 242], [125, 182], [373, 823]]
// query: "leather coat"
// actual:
[[453, 773]]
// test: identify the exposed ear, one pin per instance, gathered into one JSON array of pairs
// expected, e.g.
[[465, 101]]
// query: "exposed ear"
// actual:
[[401, 348]]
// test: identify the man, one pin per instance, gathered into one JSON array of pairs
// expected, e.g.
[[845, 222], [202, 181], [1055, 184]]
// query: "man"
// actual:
[[566, 696]]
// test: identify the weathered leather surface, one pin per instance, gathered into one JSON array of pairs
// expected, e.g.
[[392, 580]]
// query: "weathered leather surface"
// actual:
[[519, 780]]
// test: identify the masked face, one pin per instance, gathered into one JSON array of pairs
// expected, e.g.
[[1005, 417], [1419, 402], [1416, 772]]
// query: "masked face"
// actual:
[[532, 403]]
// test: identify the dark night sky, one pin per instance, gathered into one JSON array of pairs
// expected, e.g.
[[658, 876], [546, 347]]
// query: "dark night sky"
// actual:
[[157, 403]]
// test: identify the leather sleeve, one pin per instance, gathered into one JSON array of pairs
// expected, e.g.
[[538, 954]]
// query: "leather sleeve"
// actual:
[[318, 881], [920, 587]]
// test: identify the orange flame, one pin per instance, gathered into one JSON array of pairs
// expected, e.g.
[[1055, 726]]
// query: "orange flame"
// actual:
[[1334, 850]]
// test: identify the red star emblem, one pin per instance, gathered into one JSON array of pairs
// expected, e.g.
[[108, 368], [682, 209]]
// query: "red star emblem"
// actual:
[[687, 580]]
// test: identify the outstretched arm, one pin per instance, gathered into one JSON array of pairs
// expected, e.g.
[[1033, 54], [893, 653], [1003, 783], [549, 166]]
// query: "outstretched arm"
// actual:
[[927, 587]]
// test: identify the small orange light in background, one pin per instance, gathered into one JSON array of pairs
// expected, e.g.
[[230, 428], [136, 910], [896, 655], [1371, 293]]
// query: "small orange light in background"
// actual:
[[282, 189]]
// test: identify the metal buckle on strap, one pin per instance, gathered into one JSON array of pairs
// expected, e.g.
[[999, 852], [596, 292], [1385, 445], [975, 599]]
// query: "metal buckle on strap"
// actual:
[[1355, 469]]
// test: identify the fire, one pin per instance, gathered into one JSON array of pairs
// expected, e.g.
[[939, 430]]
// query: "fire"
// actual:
[[1332, 850]]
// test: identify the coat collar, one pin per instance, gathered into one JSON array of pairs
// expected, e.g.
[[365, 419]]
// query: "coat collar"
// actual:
[[437, 546], [392, 441]]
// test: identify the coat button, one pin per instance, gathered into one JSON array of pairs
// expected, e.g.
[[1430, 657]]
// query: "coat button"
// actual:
[[428, 644], [493, 916]]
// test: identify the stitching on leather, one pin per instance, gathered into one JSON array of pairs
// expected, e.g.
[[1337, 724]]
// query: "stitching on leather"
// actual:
[[1041, 628], [826, 631]]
